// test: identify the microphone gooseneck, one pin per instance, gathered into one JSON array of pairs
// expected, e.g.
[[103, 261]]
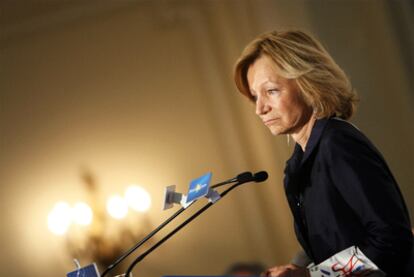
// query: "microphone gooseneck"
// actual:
[[178, 228], [136, 246], [241, 178]]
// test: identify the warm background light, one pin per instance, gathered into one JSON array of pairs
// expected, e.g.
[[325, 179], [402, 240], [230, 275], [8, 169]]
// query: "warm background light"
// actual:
[[138, 198], [117, 207], [82, 214], [59, 219]]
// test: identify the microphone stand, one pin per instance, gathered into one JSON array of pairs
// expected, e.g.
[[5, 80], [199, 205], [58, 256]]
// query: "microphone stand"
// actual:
[[156, 230], [143, 255], [136, 246]]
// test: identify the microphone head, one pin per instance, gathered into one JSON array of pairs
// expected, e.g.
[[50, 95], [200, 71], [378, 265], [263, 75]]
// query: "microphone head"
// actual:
[[260, 176], [245, 177]]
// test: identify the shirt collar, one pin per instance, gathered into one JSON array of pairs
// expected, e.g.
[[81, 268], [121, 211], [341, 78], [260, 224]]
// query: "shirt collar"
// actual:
[[299, 157]]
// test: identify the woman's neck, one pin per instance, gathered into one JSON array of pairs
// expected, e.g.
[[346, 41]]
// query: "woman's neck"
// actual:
[[302, 135]]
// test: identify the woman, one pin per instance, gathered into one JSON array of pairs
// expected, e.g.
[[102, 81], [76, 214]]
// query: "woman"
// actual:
[[339, 188]]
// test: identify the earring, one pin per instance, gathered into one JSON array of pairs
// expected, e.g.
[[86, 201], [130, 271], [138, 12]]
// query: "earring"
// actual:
[[288, 139], [315, 113]]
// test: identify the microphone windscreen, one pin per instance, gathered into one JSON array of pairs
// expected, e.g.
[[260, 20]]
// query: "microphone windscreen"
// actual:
[[244, 177], [260, 176]]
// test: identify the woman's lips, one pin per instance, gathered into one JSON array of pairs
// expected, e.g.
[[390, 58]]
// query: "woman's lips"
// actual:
[[270, 121]]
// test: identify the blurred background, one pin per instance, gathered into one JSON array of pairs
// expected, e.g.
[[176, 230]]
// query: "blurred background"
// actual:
[[99, 96]]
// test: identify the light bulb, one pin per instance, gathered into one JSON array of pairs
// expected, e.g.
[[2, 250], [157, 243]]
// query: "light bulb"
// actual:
[[117, 207], [138, 198], [82, 214], [59, 219]]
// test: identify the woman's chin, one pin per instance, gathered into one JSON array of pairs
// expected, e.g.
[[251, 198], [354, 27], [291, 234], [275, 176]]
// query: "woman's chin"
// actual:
[[276, 131]]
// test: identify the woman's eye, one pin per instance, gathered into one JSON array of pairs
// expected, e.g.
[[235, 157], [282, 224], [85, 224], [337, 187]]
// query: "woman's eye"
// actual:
[[272, 91]]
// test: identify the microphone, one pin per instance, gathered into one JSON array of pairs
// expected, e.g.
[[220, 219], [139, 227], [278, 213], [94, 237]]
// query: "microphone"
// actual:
[[241, 179], [245, 177], [260, 176]]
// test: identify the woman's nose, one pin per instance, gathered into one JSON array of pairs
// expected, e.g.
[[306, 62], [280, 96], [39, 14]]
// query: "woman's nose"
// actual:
[[261, 106]]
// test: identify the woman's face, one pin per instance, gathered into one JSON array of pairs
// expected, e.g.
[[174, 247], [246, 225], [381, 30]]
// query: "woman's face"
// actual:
[[279, 103]]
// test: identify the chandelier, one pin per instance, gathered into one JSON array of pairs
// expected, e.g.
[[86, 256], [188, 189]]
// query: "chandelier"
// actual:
[[98, 232]]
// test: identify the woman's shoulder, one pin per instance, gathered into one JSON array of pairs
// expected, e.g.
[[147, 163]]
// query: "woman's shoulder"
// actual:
[[338, 130], [343, 136]]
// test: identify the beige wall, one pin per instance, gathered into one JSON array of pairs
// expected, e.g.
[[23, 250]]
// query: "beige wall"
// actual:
[[142, 92]]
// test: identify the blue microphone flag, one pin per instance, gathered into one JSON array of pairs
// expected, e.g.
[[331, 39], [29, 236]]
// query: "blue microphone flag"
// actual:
[[198, 187], [87, 271]]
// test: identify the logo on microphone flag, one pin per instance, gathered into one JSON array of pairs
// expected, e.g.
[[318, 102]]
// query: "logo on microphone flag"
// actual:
[[199, 187]]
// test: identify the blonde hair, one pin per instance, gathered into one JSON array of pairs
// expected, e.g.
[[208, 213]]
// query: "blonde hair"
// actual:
[[323, 84]]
